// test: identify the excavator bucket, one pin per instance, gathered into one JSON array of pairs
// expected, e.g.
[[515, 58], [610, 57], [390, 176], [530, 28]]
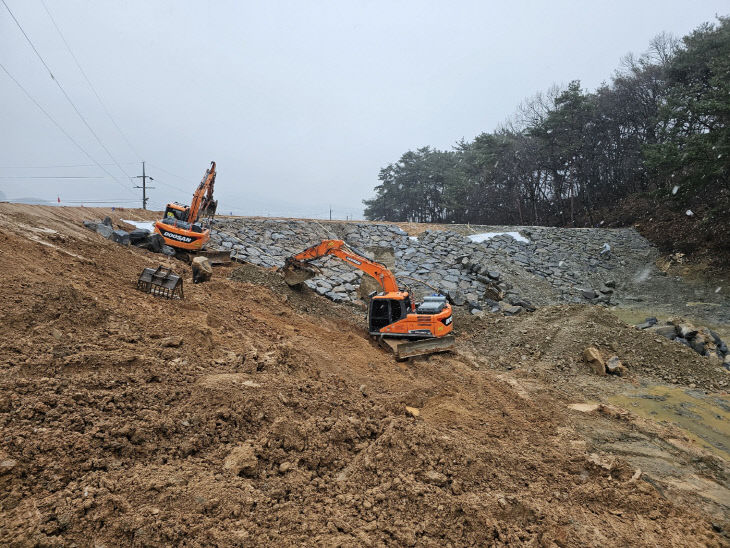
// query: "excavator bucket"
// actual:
[[215, 257], [209, 209], [162, 282], [297, 272]]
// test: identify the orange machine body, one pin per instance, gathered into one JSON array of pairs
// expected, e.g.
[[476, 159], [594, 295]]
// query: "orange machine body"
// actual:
[[392, 313], [182, 235], [179, 227], [396, 308]]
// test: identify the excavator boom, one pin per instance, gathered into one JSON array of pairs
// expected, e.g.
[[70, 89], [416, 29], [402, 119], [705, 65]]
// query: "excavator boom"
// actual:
[[203, 196], [296, 265]]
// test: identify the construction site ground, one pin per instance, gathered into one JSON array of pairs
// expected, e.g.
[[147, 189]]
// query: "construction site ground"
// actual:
[[250, 413]]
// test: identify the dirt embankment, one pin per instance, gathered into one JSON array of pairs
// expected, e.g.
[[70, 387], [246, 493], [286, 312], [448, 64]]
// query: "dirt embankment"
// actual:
[[664, 220], [245, 416], [554, 338]]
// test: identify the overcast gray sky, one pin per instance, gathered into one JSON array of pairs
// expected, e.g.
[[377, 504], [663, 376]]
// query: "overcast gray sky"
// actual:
[[300, 103]]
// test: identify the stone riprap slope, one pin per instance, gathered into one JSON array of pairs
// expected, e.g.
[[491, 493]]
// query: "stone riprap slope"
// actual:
[[554, 265]]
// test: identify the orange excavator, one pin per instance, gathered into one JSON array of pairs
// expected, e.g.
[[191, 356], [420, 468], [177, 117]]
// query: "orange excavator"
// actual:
[[180, 227], [392, 314]]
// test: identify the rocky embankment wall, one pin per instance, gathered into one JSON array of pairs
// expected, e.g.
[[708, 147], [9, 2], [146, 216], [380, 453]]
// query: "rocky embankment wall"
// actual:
[[553, 265]]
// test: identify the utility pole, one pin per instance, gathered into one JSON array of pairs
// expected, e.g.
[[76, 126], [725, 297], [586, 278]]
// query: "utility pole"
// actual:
[[330, 213], [144, 186]]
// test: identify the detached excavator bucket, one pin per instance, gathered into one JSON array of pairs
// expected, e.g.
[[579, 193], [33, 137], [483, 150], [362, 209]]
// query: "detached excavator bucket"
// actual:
[[161, 282], [296, 272]]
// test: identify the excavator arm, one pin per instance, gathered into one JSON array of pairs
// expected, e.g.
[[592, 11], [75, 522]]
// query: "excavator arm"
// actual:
[[337, 248], [203, 196]]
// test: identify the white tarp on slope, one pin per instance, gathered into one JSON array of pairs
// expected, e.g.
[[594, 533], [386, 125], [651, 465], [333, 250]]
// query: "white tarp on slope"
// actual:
[[484, 236], [149, 225]]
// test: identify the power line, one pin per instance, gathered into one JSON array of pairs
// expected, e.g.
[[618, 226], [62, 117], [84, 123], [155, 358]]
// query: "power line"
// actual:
[[49, 202], [88, 81], [99, 201], [50, 177], [172, 174], [44, 111], [159, 182], [186, 190], [61, 166], [73, 105]]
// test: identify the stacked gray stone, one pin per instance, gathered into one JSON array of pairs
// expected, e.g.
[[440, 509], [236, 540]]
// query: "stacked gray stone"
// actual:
[[269, 242], [555, 265]]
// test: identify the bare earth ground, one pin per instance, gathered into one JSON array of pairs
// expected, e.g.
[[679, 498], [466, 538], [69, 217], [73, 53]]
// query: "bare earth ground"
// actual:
[[119, 412]]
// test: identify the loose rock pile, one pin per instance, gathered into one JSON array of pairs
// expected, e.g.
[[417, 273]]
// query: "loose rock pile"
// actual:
[[580, 263], [599, 366], [499, 274], [140, 237], [702, 340]]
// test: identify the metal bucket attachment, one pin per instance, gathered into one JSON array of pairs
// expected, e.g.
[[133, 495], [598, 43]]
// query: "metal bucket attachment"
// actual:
[[215, 257], [161, 282], [297, 272]]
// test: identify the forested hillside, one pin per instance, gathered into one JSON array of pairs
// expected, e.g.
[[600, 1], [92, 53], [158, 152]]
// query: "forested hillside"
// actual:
[[647, 146]]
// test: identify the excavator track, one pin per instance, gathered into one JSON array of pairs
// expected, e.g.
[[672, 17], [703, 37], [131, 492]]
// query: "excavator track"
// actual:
[[405, 348]]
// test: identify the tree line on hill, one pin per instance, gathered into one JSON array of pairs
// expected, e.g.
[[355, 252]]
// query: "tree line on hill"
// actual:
[[659, 126]]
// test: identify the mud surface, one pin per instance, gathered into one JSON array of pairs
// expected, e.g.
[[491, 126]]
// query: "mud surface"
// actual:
[[553, 338], [249, 414]]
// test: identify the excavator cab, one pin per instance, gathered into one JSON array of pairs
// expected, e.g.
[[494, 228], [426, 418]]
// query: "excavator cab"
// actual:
[[176, 211], [385, 311]]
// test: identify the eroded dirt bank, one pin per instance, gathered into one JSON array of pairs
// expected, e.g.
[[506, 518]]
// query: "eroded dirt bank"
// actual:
[[249, 414]]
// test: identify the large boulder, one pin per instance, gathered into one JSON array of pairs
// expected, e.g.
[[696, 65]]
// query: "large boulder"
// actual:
[[668, 331], [510, 310], [202, 270], [104, 230], [589, 294], [120, 237], [615, 367], [649, 322], [138, 235], [153, 242], [456, 297], [527, 305], [593, 358]]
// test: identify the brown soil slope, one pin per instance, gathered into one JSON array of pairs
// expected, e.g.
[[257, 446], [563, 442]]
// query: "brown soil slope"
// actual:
[[236, 417]]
